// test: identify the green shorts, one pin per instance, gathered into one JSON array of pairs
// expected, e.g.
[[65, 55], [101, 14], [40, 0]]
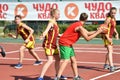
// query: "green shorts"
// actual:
[[66, 52]]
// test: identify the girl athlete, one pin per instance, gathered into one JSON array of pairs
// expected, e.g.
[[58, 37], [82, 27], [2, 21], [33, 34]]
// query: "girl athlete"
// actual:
[[111, 22]]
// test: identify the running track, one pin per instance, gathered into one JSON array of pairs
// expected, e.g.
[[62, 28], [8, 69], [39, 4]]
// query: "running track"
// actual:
[[90, 60]]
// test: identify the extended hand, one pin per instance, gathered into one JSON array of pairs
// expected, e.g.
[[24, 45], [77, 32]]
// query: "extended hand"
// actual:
[[41, 37], [10, 34], [117, 36], [26, 41]]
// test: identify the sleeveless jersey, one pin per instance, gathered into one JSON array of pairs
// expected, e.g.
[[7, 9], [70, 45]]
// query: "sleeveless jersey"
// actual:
[[24, 33], [111, 27], [51, 37], [70, 36]]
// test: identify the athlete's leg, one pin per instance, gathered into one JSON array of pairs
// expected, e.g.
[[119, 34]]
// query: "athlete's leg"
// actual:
[[21, 55], [106, 58], [110, 53], [46, 66], [34, 54], [74, 65], [57, 62], [62, 67]]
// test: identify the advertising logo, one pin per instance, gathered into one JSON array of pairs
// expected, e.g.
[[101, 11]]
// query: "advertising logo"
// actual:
[[71, 11], [21, 10]]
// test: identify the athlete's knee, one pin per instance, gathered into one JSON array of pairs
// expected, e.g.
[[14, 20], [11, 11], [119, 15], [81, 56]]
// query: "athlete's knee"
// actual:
[[31, 51], [66, 61], [57, 58], [73, 62], [22, 48], [73, 59], [50, 61]]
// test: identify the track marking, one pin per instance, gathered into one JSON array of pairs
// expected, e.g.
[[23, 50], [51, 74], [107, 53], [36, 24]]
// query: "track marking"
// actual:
[[77, 49], [95, 48], [82, 51], [29, 59], [104, 75], [12, 52], [95, 51], [79, 62], [86, 50], [25, 50]]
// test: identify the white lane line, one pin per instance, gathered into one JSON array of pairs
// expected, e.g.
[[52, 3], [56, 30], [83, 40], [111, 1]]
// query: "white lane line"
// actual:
[[37, 49], [25, 50], [75, 51], [92, 48], [95, 48], [96, 63], [12, 52], [95, 51], [29, 59], [104, 75], [82, 51], [83, 62]]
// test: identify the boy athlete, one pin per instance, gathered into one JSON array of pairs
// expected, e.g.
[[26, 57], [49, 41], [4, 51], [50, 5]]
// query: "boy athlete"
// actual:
[[69, 37], [27, 34]]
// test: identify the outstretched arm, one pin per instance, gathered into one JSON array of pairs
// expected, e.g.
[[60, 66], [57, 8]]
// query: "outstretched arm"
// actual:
[[116, 34], [46, 30], [13, 36], [90, 32], [85, 35]]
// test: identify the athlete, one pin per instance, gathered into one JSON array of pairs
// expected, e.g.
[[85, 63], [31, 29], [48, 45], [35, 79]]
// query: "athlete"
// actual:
[[27, 34], [50, 36], [111, 22], [68, 38]]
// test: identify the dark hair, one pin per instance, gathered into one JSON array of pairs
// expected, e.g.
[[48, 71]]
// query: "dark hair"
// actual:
[[52, 12], [112, 8], [83, 17], [18, 16]]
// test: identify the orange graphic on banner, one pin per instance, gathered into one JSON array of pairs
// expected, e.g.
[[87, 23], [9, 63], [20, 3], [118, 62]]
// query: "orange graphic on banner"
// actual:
[[21, 10], [71, 11]]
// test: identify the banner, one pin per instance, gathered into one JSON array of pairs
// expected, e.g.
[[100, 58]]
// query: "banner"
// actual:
[[69, 10]]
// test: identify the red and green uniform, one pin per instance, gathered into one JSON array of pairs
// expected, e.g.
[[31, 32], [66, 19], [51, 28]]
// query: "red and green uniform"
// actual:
[[69, 37]]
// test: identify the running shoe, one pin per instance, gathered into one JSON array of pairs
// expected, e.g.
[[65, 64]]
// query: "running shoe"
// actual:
[[56, 78], [40, 78], [37, 62], [63, 77], [18, 66], [2, 51], [113, 68], [78, 78], [106, 66]]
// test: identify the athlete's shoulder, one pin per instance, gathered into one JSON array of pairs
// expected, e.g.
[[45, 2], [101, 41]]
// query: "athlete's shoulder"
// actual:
[[52, 21], [21, 24], [76, 23], [108, 18]]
